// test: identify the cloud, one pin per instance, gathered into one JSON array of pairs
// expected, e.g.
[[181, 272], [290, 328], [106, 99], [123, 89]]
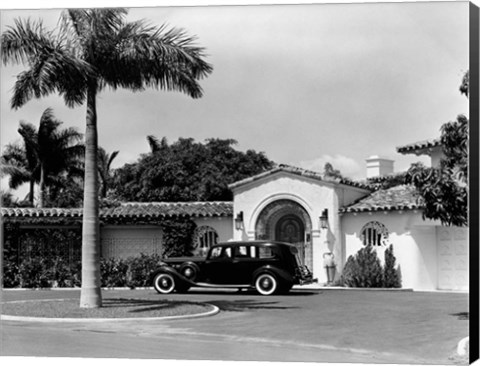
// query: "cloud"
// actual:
[[348, 167]]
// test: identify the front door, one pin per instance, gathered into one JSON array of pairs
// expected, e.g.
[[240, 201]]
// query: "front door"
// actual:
[[290, 229]]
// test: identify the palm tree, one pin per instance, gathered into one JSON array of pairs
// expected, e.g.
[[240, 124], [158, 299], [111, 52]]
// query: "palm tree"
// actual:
[[93, 49], [14, 163], [155, 144], [104, 169], [46, 155]]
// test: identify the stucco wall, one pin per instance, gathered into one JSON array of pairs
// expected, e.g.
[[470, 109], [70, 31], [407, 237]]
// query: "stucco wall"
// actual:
[[413, 239], [222, 225], [313, 195]]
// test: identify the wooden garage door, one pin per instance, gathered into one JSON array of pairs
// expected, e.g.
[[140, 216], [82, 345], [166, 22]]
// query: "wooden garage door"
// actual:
[[452, 252]]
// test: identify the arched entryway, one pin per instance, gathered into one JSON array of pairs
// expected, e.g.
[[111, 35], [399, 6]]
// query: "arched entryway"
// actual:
[[286, 220]]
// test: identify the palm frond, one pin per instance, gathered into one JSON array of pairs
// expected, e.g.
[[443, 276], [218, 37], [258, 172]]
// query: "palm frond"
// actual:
[[147, 56], [26, 40], [112, 158]]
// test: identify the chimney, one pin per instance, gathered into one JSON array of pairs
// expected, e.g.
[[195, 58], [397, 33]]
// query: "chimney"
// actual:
[[377, 166]]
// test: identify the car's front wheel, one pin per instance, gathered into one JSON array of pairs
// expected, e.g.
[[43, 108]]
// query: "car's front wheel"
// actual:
[[164, 283], [266, 284]]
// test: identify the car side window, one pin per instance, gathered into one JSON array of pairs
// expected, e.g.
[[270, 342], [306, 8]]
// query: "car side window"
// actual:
[[241, 252], [227, 253], [266, 252], [215, 252]]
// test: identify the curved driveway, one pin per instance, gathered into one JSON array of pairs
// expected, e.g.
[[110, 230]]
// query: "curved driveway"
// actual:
[[316, 326]]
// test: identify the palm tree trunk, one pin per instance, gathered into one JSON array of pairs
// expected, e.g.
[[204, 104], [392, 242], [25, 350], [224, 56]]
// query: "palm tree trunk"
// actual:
[[90, 296], [31, 193], [41, 193]]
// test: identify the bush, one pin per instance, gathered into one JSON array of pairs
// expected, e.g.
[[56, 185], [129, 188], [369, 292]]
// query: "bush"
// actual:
[[113, 272], [140, 268], [132, 272], [391, 275], [35, 272], [364, 269]]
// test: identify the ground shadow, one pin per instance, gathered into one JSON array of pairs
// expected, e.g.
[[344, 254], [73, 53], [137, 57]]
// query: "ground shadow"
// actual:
[[243, 305], [141, 305], [462, 316], [250, 292]]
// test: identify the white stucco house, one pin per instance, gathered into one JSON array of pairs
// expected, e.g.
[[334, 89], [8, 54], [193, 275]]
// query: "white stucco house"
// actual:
[[319, 215]]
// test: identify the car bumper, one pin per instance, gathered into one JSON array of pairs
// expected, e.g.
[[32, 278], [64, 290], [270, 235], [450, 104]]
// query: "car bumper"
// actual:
[[308, 281]]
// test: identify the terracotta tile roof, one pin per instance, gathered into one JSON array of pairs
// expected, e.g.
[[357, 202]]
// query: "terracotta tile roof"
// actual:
[[41, 212], [170, 209], [403, 197], [301, 172], [132, 210], [417, 147]]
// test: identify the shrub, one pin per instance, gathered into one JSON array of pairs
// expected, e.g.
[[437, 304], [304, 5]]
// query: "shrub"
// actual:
[[113, 272], [35, 272], [11, 275], [364, 269], [391, 275], [140, 268]]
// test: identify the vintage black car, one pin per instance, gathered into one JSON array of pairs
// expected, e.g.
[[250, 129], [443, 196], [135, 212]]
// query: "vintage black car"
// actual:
[[267, 266]]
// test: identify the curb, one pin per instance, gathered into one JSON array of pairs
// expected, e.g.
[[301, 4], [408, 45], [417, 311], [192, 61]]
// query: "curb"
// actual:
[[215, 310]]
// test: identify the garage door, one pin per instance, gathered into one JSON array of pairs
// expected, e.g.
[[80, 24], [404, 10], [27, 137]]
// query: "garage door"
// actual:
[[452, 244]]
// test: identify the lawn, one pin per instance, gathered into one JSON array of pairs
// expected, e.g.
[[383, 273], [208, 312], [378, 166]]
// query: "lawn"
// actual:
[[113, 307]]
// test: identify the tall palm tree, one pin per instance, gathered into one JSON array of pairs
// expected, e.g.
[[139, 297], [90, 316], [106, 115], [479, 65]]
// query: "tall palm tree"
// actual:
[[104, 169], [93, 49], [45, 155]]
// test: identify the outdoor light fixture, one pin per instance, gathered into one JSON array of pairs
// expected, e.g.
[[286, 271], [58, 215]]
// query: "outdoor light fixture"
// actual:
[[239, 221], [324, 219]]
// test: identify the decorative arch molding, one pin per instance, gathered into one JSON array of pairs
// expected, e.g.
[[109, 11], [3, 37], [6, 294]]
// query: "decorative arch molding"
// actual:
[[274, 198], [286, 220]]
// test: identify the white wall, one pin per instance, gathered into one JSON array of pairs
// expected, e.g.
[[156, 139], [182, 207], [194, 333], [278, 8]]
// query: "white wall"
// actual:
[[313, 195], [222, 225], [414, 244]]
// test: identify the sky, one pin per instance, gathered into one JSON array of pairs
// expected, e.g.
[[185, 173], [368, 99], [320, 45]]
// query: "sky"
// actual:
[[305, 84]]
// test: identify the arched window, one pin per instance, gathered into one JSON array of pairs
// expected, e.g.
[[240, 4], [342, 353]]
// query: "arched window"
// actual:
[[203, 238], [375, 234]]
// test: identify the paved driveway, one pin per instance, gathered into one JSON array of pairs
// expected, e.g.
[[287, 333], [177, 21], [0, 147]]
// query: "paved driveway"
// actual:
[[317, 326]]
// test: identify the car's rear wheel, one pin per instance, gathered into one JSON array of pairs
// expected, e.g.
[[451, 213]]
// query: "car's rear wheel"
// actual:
[[164, 283], [266, 284]]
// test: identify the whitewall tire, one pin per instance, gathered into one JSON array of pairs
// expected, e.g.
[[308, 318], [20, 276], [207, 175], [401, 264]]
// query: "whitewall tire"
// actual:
[[266, 284], [164, 283]]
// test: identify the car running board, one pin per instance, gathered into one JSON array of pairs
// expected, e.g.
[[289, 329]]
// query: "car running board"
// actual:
[[203, 284]]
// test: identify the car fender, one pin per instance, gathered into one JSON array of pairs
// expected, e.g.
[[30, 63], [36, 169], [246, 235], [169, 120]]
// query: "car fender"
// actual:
[[192, 265], [177, 276], [279, 273]]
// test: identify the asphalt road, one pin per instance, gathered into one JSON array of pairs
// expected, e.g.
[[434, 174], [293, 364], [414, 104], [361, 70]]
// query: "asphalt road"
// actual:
[[315, 326]]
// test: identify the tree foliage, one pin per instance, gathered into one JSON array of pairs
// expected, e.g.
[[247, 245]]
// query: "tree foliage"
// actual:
[[49, 156], [444, 188], [363, 269], [188, 171]]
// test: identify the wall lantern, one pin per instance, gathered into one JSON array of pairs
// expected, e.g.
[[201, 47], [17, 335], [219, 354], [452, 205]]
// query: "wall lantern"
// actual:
[[324, 219], [239, 221]]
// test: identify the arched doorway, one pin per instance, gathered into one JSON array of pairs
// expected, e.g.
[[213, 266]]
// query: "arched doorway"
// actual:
[[286, 220]]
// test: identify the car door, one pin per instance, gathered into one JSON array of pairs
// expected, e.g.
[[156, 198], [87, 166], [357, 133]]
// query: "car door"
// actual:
[[217, 266], [243, 264]]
